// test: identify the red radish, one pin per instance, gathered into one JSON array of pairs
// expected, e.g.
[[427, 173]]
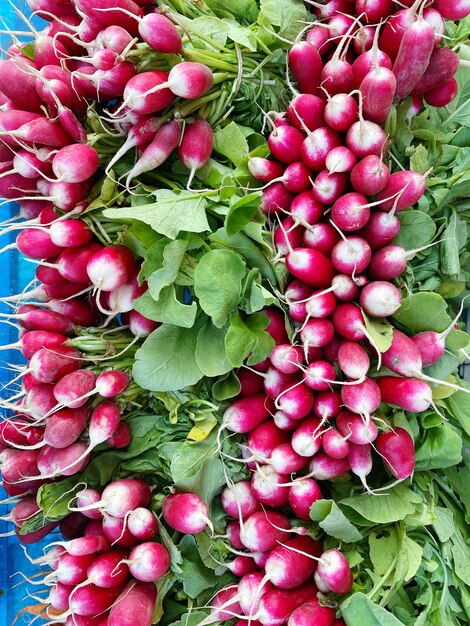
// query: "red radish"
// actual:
[[247, 413], [196, 146], [165, 141], [362, 398], [305, 209], [49, 365], [381, 229], [276, 198], [36, 243], [136, 599], [365, 138], [239, 501], [38, 319], [322, 237], [142, 523], [141, 95], [319, 36], [453, 9], [85, 498], [187, 79], [340, 159], [232, 530], [334, 444], [70, 233], [277, 604], [109, 12], [224, 606], [328, 187], [306, 439], [263, 439], [72, 263], [443, 95], [355, 428], [334, 571], [286, 358], [122, 496], [302, 494], [18, 85], [263, 530], [39, 401], [250, 591], [406, 393], [91, 600], [337, 76], [321, 304], [160, 34], [305, 111], [277, 325], [64, 427], [323, 467], [33, 340], [241, 565], [378, 91], [317, 333], [185, 512], [264, 170], [285, 144], [341, 111], [360, 460], [353, 360], [397, 451], [59, 596], [339, 24], [380, 299], [311, 266], [141, 326], [351, 212], [404, 188], [110, 267], [86, 545], [116, 531], [288, 235], [312, 612], [331, 8], [141, 133], [374, 10], [365, 63], [290, 565], [413, 56], [73, 311], [72, 570], [351, 255], [317, 145], [443, 64], [276, 381], [53, 462], [75, 163], [285, 460], [149, 561], [306, 64], [296, 401], [269, 487], [121, 437], [393, 31]]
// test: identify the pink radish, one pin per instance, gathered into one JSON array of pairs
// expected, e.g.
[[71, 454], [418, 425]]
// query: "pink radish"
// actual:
[[328, 187], [380, 299], [443, 64], [141, 94], [277, 604], [264, 170], [110, 12], [185, 512], [75, 163], [64, 427], [285, 460], [290, 565], [365, 138], [137, 598], [296, 401], [263, 530], [306, 439], [341, 111], [286, 358], [141, 133], [334, 444], [142, 523], [165, 141], [196, 146], [306, 64], [302, 494], [285, 144], [160, 33], [149, 561], [311, 266], [360, 460], [390, 261], [404, 188], [263, 439], [305, 209], [334, 571], [91, 600], [49, 366], [381, 229], [110, 267], [355, 428], [18, 84], [33, 340], [72, 570], [353, 360], [443, 95], [319, 37], [323, 467], [312, 612], [247, 413], [322, 237], [251, 383], [397, 451], [88, 496], [305, 111], [453, 9], [122, 496], [365, 63], [317, 333], [238, 500], [276, 198], [351, 212], [340, 159], [351, 255], [121, 437], [317, 145], [362, 398], [269, 487], [406, 393]]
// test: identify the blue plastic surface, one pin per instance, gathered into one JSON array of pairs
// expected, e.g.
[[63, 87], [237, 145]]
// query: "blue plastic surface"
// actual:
[[15, 274]]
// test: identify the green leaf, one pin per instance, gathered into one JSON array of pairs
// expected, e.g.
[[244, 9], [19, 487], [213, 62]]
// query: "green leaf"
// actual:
[[459, 405], [423, 311], [380, 330], [284, 17], [195, 576], [442, 447], [211, 356], [226, 387], [168, 309], [53, 499], [398, 502], [419, 160], [172, 256], [241, 212], [383, 547], [333, 521], [231, 142], [190, 619], [218, 283], [173, 212], [28, 50], [246, 337], [417, 229], [206, 483], [358, 610], [454, 238], [166, 361]]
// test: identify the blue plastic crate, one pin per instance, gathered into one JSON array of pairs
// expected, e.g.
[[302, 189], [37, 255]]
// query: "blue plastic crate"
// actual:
[[15, 274]]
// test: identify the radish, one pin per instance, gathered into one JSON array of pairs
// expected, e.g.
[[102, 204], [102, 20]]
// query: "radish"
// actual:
[[312, 612], [353, 360], [286, 358], [186, 513], [238, 500], [75, 163], [306, 64], [141, 133], [149, 561], [381, 229], [116, 531], [341, 111], [264, 170], [262, 440], [365, 138], [374, 10], [302, 494], [377, 91], [121, 437], [409, 185], [397, 451], [362, 398], [33, 340], [285, 460], [355, 428], [247, 413], [196, 146], [64, 427], [165, 141], [34, 318], [111, 267], [413, 56], [337, 76], [18, 85], [136, 600], [319, 375], [326, 404], [296, 401], [406, 393], [232, 530], [316, 146], [141, 95], [142, 523], [88, 496], [290, 564], [72, 570], [334, 444], [263, 530], [160, 34], [339, 24], [250, 591], [122, 496], [365, 62], [351, 212], [276, 198], [277, 604], [390, 261], [311, 266], [443, 64], [91, 600], [269, 487], [305, 209], [322, 237], [453, 9], [351, 255], [285, 143], [340, 159], [334, 571], [305, 111], [443, 95], [380, 299], [360, 460], [49, 365], [306, 439], [317, 333], [319, 36], [328, 187], [323, 467], [431, 345]]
